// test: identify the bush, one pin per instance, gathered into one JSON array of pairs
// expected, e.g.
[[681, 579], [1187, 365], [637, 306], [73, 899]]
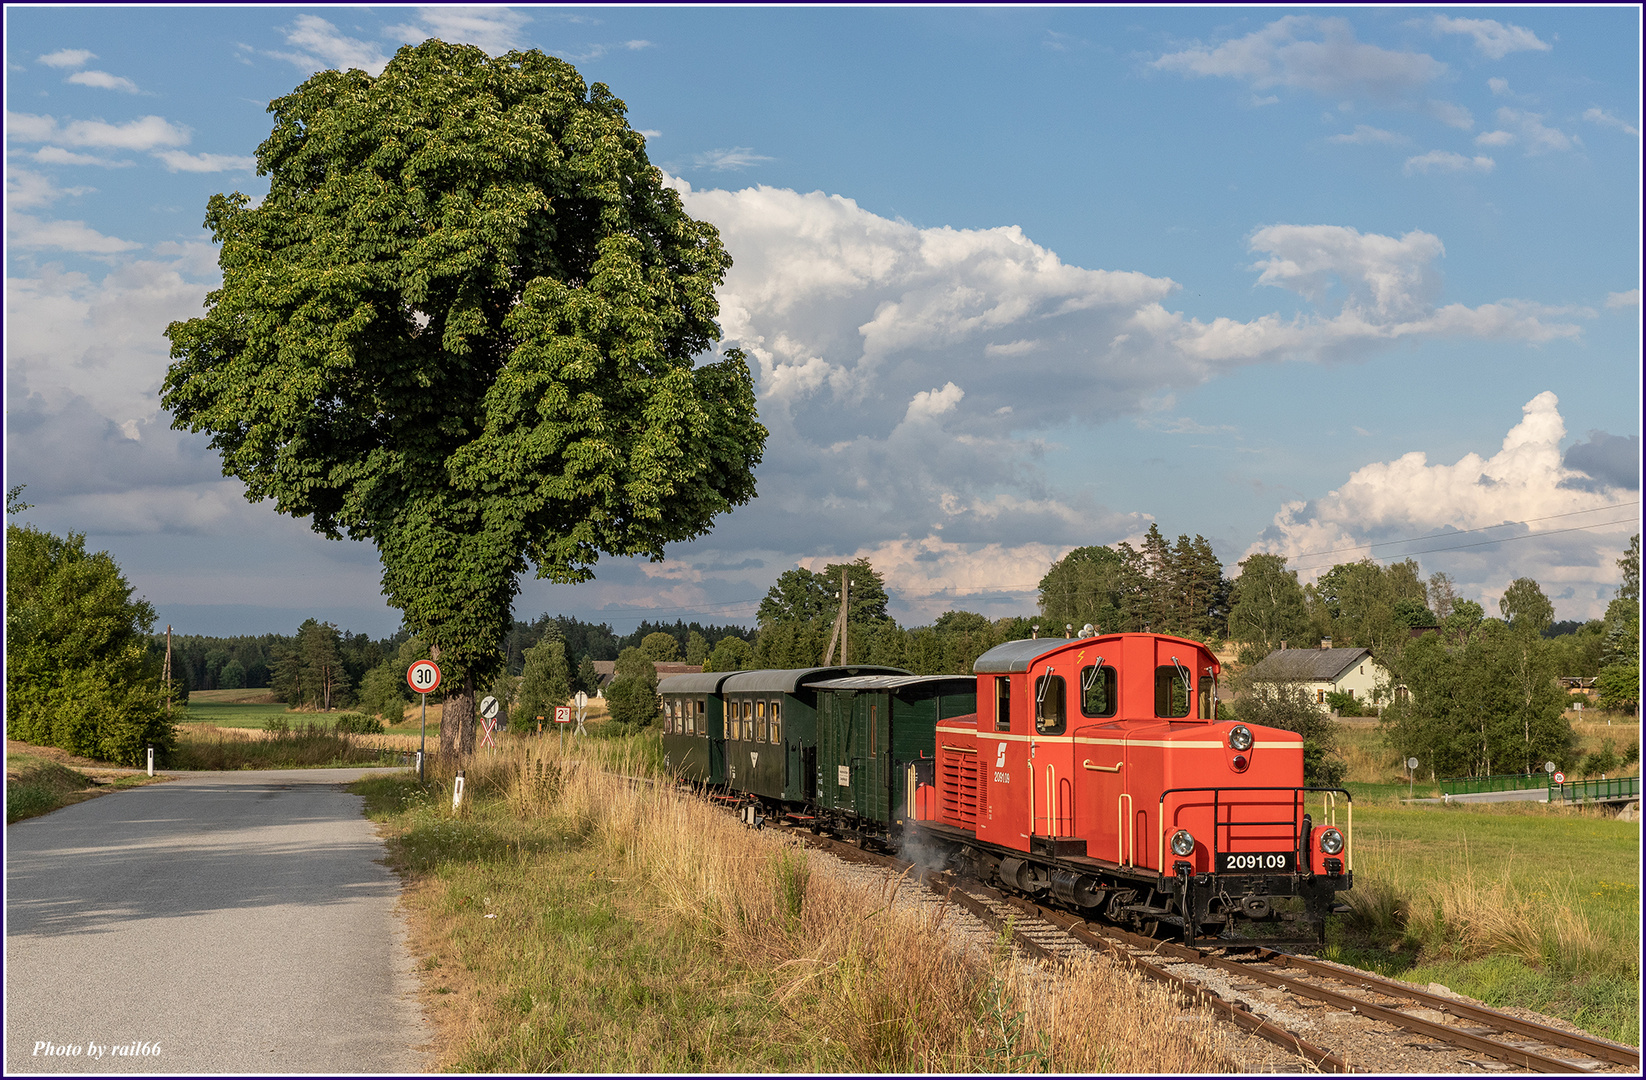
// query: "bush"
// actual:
[[1344, 704], [354, 723], [632, 701]]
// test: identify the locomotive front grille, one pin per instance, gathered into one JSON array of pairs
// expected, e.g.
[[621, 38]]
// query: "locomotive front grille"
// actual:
[[960, 795]]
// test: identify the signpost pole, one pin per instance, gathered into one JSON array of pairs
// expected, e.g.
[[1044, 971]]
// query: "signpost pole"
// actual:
[[423, 676], [423, 739]]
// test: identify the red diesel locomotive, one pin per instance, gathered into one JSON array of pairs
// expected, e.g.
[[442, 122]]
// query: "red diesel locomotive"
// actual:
[[1095, 771]]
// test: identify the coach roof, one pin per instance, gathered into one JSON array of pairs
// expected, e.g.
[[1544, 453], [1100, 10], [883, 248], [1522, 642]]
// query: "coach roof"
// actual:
[[706, 682], [788, 680], [893, 683]]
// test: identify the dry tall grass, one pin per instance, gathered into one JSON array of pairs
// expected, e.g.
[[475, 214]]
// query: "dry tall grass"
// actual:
[[1467, 915], [887, 984]]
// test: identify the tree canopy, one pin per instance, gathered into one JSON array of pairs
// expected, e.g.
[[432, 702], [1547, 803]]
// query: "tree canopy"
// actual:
[[78, 672], [462, 326]]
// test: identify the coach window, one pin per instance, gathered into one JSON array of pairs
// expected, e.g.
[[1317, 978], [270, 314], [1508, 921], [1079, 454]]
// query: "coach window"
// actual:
[[671, 719], [1097, 691], [695, 717], [777, 735], [1049, 705], [748, 721], [734, 729], [1003, 704], [760, 721], [1171, 694]]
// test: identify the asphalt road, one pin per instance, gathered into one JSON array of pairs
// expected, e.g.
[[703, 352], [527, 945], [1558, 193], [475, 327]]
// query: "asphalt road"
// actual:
[[242, 921]]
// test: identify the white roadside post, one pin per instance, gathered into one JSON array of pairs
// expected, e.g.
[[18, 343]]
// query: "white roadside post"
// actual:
[[423, 677], [151, 759], [457, 791]]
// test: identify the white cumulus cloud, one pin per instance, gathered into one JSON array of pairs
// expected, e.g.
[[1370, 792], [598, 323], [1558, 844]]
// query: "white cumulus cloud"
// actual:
[[1492, 38], [496, 30], [68, 58], [1538, 137], [1448, 161], [181, 161], [319, 45], [103, 81], [1320, 55], [1520, 512], [1366, 135], [1600, 116], [144, 133]]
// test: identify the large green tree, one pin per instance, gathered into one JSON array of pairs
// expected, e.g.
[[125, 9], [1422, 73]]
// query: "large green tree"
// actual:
[[1267, 606], [461, 325], [78, 670]]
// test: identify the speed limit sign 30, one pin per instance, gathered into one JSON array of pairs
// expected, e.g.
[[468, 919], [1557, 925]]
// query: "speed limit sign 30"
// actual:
[[423, 677]]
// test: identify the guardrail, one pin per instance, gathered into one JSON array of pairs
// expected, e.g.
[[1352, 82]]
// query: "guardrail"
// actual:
[[1472, 785], [1623, 787]]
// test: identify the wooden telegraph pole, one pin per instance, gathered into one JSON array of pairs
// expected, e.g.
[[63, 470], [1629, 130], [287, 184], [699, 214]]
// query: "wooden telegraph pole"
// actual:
[[167, 672], [839, 631]]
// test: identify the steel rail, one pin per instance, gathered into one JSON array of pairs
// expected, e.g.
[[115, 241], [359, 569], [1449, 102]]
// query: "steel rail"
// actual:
[[1552, 1036], [1513, 1055]]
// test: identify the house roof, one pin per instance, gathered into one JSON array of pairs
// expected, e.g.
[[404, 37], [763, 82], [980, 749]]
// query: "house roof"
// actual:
[[607, 669], [1308, 665]]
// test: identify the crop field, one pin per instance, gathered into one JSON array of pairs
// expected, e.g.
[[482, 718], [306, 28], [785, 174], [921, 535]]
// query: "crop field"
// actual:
[[232, 715]]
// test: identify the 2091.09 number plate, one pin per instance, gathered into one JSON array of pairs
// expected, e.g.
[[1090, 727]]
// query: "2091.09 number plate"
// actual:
[[1255, 862]]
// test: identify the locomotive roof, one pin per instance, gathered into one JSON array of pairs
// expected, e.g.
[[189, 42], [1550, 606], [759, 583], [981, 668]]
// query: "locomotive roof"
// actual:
[[1012, 656], [889, 682], [705, 682], [788, 680]]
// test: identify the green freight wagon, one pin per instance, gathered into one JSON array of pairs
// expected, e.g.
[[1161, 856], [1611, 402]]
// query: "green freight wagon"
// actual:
[[875, 738]]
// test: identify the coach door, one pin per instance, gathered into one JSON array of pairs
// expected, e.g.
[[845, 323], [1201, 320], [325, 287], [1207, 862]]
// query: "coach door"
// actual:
[[871, 735]]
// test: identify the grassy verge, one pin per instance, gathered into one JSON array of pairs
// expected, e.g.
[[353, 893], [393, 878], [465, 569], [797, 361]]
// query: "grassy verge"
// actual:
[[1511, 903], [306, 745], [36, 786], [570, 920]]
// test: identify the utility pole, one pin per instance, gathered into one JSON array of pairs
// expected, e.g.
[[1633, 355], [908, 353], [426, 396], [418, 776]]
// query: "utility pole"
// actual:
[[167, 672], [839, 631]]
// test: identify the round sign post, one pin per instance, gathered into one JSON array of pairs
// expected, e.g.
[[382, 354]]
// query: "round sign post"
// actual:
[[1411, 776], [423, 677]]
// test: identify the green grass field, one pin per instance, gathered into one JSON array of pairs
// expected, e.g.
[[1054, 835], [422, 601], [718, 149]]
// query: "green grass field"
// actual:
[[231, 715], [1511, 903]]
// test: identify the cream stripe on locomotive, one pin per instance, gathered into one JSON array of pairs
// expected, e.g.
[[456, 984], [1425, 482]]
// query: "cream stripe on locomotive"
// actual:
[[1086, 740]]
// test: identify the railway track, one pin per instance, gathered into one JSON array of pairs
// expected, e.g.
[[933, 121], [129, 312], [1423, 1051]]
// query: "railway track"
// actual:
[[1236, 984]]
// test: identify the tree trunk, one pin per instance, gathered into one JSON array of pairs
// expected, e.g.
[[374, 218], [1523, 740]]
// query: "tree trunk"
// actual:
[[457, 721]]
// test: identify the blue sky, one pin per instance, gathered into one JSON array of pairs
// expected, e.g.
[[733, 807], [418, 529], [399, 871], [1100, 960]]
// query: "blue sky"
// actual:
[[1015, 280]]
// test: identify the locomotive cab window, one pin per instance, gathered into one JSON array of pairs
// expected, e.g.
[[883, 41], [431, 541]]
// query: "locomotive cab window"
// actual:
[[1049, 715], [1003, 704], [1098, 696], [777, 736], [1207, 705], [1171, 695]]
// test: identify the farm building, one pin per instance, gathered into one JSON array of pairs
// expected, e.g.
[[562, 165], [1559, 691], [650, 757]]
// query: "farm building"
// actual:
[[1324, 671]]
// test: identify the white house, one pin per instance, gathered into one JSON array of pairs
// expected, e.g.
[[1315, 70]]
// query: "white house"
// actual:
[[1324, 671]]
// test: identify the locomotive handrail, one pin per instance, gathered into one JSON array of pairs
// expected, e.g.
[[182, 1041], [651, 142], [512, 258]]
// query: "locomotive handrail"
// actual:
[[1298, 802], [1103, 768]]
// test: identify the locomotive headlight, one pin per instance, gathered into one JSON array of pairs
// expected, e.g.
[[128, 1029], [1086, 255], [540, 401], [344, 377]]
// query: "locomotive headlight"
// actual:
[[1331, 841], [1240, 737], [1182, 843]]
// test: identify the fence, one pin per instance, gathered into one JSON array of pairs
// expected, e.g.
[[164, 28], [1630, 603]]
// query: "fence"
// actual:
[[1618, 790], [1471, 785]]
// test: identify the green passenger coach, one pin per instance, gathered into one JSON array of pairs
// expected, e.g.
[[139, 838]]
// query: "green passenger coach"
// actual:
[[694, 726]]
